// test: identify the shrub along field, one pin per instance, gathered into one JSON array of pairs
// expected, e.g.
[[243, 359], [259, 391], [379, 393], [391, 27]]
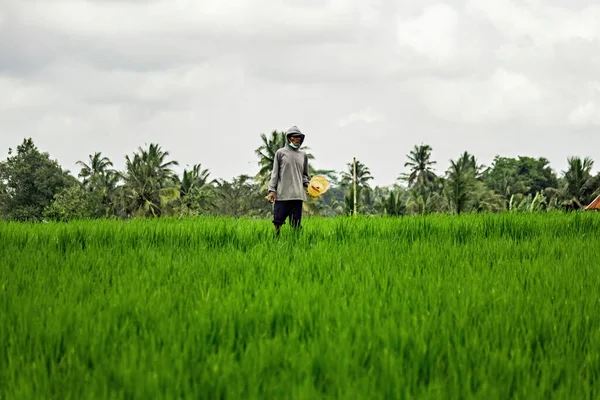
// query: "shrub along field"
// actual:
[[487, 306]]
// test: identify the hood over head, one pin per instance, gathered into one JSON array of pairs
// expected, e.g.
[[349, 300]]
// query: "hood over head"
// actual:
[[293, 131]]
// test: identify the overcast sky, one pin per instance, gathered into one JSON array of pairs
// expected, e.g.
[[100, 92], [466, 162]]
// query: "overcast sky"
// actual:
[[364, 78]]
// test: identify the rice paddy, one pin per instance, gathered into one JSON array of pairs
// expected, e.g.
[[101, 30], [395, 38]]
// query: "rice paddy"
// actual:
[[477, 306]]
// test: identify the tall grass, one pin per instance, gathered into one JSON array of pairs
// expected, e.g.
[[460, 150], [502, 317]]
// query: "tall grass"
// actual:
[[494, 307]]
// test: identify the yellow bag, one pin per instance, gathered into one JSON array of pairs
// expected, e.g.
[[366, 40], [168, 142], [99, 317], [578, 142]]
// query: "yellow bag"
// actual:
[[318, 186]]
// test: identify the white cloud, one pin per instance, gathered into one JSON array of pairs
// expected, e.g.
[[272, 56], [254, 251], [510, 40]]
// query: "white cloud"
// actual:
[[585, 114], [166, 87], [433, 34], [195, 75], [504, 96], [366, 115], [167, 17], [542, 23], [17, 94], [366, 12]]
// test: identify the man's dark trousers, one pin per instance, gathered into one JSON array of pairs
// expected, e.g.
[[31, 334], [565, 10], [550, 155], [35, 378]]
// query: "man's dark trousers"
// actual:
[[287, 209]]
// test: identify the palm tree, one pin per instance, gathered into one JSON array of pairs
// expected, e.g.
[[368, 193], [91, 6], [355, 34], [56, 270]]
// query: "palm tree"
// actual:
[[578, 179], [266, 153], [363, 176], [98, 166], [594, 184], [150, 183], [461, 182], [108, 184], [577, 185], [465, 187], [420, 163], [100, 180], [392, 202], [195, 192], [196, 178], [423, 201]]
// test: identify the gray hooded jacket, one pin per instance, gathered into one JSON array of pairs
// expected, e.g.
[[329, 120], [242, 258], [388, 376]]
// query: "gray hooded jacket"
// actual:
[[289, 178]]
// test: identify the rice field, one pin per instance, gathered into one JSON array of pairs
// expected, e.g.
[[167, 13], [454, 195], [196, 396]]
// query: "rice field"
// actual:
[[438, 307]]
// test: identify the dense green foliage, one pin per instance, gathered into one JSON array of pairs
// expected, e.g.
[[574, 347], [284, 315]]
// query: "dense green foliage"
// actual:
[[29, 181], [33, 187], [491, 306]]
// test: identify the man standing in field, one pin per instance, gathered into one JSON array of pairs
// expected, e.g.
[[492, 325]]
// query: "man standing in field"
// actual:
[[289, 180]]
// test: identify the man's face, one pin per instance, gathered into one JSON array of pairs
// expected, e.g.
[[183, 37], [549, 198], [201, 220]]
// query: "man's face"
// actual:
[[295, 139]]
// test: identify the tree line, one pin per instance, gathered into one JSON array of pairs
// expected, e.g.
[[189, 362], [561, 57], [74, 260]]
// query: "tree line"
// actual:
[[34, 187]]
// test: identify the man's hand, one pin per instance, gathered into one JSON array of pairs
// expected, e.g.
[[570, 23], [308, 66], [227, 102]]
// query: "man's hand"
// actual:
[[271, 197]]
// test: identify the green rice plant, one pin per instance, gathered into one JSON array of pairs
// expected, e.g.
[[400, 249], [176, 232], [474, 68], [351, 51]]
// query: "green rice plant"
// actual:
[[472, 306]]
